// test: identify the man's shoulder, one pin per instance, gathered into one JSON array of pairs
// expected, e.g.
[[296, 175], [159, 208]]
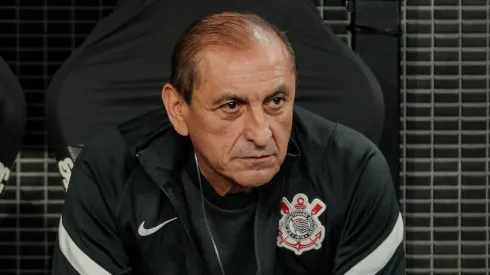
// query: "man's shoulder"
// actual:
[[350, 141], [335, 153], [338, 156], [102, 149], [120, 144], [318, 133]]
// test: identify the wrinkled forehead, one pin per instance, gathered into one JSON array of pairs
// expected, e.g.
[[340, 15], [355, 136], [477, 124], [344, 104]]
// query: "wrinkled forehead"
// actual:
[[256, 70], [224, 61]]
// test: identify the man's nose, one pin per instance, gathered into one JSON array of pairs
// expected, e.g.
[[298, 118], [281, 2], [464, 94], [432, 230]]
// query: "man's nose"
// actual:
[[257, 128]]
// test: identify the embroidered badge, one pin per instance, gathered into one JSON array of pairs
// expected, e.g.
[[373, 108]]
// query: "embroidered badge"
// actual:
[[299, 228]]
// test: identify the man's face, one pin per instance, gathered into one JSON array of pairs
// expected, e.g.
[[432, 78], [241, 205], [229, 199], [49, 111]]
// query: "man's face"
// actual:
[[240, 116]]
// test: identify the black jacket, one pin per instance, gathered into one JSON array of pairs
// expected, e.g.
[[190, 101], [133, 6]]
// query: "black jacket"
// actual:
[[332, 208]]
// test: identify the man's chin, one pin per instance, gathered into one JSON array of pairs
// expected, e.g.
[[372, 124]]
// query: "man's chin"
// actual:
[[254, 178]]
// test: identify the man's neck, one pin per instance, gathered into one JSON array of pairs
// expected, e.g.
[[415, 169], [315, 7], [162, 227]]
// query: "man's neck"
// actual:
[[221, 184]]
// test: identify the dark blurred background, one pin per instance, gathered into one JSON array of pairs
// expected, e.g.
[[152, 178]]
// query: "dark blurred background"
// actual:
[[444, 122]]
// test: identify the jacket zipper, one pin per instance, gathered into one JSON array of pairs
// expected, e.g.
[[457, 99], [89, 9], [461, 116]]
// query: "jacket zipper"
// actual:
[[174, 203], [255, 240]]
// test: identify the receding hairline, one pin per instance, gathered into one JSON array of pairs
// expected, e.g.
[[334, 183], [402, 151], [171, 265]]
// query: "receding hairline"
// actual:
[[256, 38], [231, 30], [253, 44]]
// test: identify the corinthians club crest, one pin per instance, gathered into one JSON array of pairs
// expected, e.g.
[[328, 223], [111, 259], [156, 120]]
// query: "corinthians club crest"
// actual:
[[299, 228]]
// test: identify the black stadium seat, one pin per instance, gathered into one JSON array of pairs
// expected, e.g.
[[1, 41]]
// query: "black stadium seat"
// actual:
[[12, 120], [119, 70]]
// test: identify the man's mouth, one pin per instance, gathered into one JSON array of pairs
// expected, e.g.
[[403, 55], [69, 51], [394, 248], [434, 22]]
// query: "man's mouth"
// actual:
[[262, 157]]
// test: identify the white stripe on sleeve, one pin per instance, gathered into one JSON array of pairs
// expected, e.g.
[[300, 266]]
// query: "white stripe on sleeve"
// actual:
[[76, 257], [379, 257]]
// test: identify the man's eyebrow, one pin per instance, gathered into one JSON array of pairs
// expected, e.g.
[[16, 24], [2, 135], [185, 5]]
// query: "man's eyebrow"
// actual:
[[227, 97], [232, 97], [282, 90]]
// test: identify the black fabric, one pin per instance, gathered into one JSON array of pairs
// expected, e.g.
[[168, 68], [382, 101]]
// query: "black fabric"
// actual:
[[231, 223], [12, 119], [122, 181], [119, 70], [381, 52]]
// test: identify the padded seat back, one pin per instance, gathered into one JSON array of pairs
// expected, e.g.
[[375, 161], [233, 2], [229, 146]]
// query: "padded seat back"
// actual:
[[12, 121]]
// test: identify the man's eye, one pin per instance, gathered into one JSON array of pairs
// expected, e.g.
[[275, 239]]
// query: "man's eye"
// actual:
[[277, 101], [230, 107]]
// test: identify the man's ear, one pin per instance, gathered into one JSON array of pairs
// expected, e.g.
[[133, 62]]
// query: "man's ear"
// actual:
[[176, 108]]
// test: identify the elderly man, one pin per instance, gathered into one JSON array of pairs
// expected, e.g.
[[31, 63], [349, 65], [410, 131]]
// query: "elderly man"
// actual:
[[232, 178]]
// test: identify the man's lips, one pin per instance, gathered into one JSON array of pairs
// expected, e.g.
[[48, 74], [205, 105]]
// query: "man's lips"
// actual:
[[256, 157]]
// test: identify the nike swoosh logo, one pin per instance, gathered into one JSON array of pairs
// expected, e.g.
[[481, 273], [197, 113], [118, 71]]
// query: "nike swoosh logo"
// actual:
[[145, 232]]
